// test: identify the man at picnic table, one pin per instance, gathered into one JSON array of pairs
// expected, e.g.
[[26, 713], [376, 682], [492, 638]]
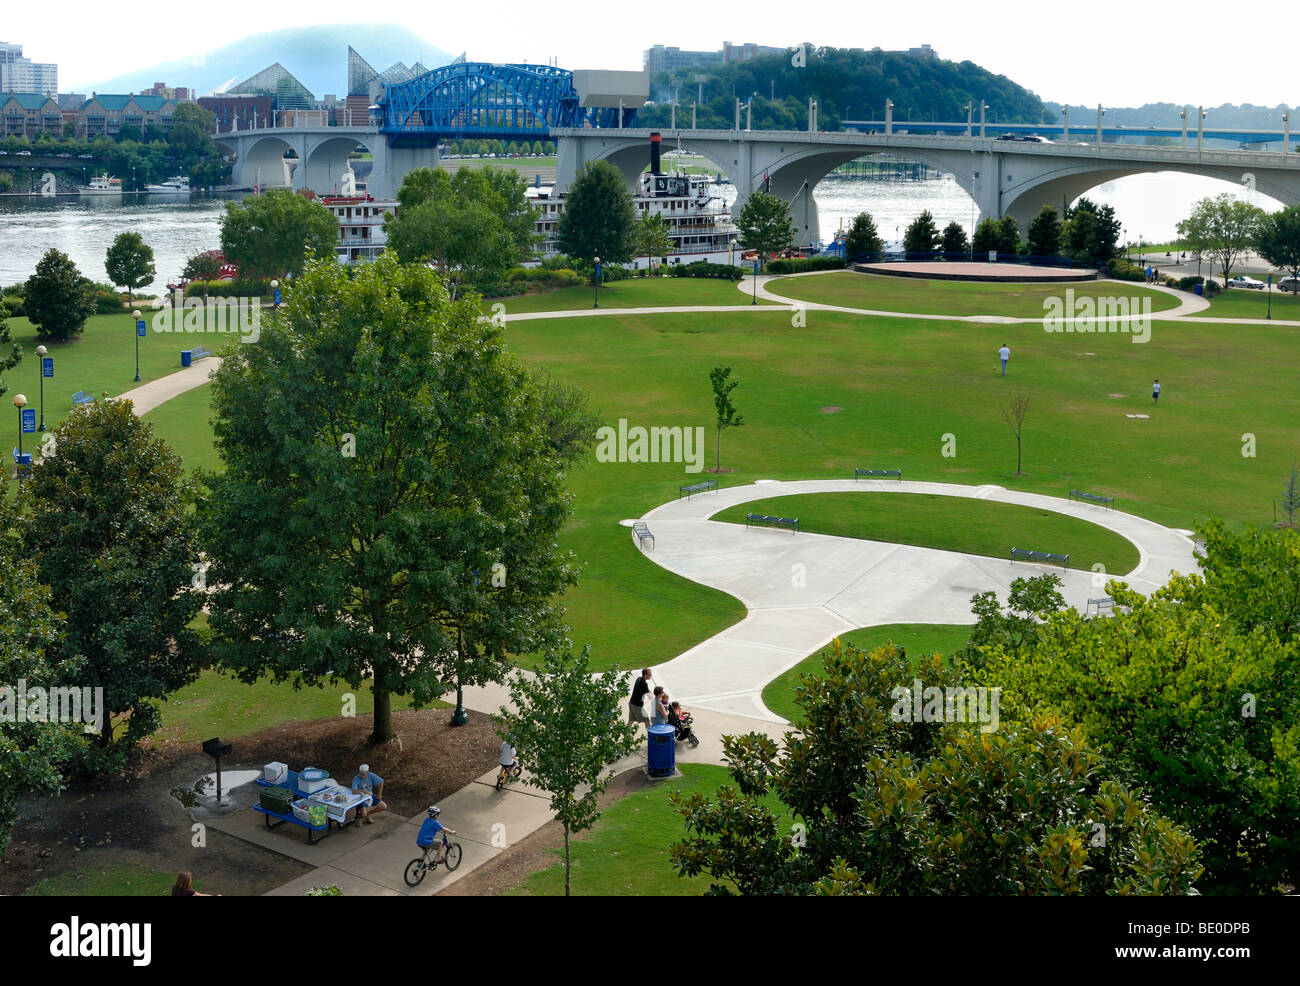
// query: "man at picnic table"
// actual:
[[372, 784]]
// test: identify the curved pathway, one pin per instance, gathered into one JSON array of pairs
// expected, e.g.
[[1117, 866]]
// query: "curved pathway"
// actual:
[[802, 590]]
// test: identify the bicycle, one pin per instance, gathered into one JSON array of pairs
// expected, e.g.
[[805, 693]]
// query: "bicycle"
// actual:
[[507, 774], [418, 867]]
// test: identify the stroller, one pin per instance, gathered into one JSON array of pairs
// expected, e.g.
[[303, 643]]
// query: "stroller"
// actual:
[[681, 721]]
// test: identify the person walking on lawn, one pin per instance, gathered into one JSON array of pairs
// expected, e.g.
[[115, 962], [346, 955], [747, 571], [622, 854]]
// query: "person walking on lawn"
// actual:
[[1004, 354]]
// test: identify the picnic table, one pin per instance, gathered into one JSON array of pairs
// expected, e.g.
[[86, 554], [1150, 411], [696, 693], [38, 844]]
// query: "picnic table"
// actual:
[[338, 810]]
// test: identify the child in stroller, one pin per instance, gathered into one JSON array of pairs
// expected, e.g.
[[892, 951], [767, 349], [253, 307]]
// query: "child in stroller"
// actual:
[[681, 721]]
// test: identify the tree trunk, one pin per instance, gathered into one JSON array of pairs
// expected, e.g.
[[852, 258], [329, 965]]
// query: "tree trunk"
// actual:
[[718, 463], [566, 861], [1017, 454], [383, 731]]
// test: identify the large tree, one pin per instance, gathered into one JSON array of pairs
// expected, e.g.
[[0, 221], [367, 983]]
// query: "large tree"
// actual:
[[129, 263], [599, 216], [562, 724], [1045, 233], [862, 240], [472, 226], [271, 235], [394, 485], [1279, 239], [113, 534], [1090, 232], [58, 299], [31, 753], [872, 800], [1222, 229], [765, 227], [988, 235], [954, 239]]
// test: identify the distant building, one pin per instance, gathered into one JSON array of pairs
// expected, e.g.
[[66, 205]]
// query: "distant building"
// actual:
[[26, 114], [666, 58], [366, 86], [276, 83], [105, 114], [244, 112], [19, 74], [925, 51], [180, 94]]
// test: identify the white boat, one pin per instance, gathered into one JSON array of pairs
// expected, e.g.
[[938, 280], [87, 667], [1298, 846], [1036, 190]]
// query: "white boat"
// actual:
[[699, 223], [102, 185], [361, 225], [180, 185]]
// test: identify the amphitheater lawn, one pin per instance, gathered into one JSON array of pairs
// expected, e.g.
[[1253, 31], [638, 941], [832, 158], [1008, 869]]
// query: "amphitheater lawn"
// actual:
[[919, 639], [975, 527], [845, 391], [1244, 303], [932, 297]]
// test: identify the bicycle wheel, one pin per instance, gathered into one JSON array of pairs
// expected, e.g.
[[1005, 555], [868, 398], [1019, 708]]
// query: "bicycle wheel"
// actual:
[[452, 859], [501, 779], [415, 871]]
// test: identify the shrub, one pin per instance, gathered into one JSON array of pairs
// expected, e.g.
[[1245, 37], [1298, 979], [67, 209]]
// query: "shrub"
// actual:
[[107, 300], [541, 277], [13, 304], [702, 268], [800, 265], [252, 287], [1122, 270]]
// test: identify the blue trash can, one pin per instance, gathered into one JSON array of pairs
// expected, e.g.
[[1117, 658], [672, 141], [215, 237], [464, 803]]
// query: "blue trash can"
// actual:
[[661, 754], [1200, 289], [187, 357]]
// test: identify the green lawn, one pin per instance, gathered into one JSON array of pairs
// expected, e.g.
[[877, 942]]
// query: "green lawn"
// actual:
[[1244, 303], [919, 639], [975, 527], [219, 705], [917, 295], [121, 880], [633, 292], [626, 853], [183, 422], [100, 361]]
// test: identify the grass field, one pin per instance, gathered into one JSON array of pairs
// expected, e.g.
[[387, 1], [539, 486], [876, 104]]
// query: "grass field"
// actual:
[[626, 853], [907, 294], [184, 423], [633, 292], [1244, 303], [218, 704], [974, 527], [919, 639], [122, 880]]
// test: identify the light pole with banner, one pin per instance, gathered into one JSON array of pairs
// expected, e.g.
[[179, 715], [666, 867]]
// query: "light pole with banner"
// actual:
[[1269, 289], [596, 290], [26, 426], [275, 297], [139, 331], [47, 370], [755, 301]]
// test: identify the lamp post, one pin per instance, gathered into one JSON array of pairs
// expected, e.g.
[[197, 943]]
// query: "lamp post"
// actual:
[[1269, 289], [755, 301], [20, 402], [596, 288], [275, 300], [41, 351], [137, 323]]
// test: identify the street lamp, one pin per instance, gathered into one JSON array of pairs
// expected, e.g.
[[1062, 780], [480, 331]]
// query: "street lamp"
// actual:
[[755, 301], [20, 402], [275, 288], [596, 288], [41, 351], [1269, 289], [136, 323]]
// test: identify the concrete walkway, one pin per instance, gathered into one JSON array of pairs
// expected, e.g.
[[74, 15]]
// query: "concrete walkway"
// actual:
[[150, 395], [802, 590]]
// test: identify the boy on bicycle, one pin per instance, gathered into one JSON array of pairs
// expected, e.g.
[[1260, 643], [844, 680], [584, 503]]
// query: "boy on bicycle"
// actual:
[[429, 830], [509, 758]]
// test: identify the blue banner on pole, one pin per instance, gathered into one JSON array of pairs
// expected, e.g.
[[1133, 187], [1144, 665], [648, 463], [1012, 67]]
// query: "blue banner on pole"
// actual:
[[139, 328], [277, 296], [29, 421], [47, 367]]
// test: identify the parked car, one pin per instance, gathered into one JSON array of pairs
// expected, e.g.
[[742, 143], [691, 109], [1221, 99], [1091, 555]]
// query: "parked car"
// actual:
[[1289, 283], [4, 153], [1242, 281], [24, 153], [63, 155], [85, 157]]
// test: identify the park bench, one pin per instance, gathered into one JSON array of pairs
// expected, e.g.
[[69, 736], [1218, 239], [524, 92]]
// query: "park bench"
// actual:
[[1104, 602], [1025, 554], [703, 487], [188, 356], [81, 397], [759, 519], [1102, 501], [877, 472], [643, 534]]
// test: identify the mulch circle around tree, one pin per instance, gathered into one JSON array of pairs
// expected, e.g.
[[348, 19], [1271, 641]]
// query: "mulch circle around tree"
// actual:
[[131, 817]]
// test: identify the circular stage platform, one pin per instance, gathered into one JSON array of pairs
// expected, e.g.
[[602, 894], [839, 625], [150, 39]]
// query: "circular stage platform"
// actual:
[[962, 271]]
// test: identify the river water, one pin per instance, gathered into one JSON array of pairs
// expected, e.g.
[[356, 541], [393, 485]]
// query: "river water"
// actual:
[[1148, 205]]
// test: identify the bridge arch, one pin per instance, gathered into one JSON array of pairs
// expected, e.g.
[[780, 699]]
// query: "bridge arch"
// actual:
[[263, 161], [327, 162]]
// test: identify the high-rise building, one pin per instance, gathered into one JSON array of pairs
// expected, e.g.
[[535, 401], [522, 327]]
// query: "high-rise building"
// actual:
[[19, 74]]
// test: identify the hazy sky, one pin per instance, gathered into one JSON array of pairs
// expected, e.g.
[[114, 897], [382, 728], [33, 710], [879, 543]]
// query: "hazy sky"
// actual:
[[1193, 52]]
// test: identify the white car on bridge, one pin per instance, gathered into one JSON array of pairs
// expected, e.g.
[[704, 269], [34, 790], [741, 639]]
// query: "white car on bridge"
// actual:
[[1242, 281]]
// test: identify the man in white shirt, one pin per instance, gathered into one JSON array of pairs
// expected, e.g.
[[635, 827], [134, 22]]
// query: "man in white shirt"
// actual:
[[1004, 354]]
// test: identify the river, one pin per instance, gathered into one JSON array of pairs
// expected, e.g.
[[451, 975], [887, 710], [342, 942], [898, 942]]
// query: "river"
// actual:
[[1148, 205]]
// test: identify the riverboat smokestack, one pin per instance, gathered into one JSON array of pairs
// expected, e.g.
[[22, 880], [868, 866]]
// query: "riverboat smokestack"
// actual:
[[654, 154]]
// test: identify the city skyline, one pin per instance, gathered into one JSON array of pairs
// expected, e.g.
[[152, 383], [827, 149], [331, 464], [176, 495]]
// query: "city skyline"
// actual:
[[1107, 65]]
